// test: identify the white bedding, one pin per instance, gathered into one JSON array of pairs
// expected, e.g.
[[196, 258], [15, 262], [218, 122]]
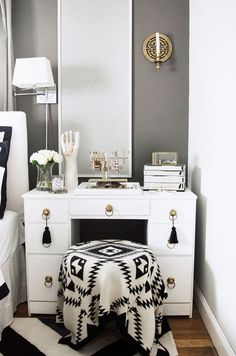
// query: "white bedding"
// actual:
[[9, 235], [12, 267], [12, 253], [14, 275]]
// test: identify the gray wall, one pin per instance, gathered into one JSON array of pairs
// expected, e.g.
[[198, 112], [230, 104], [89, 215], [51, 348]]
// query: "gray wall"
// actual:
[[160, 99], [160, 103], [35, 35]]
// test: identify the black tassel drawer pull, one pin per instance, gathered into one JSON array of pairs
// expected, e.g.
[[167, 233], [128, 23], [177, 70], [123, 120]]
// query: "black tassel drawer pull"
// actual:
[[46, 240], [173, 235]]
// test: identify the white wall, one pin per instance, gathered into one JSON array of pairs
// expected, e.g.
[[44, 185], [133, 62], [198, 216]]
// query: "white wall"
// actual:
[[212, 154]]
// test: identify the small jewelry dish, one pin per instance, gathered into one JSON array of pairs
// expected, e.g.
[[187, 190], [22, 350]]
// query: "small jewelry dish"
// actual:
[[109, 185]]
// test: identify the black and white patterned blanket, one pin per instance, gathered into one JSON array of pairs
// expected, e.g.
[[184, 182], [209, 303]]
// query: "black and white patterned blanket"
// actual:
[[105, 278], [4, 290]]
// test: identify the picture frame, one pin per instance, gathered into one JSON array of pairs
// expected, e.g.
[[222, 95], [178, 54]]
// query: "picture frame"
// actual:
[[58, 183]]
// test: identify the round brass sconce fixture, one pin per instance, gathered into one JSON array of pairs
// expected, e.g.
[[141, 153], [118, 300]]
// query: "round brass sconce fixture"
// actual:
[[149, 48]]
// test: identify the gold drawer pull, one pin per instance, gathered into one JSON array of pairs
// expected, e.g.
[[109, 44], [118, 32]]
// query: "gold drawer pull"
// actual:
[[109, 210], [46, 214], [48, 281], [173, 214], [171, 282]]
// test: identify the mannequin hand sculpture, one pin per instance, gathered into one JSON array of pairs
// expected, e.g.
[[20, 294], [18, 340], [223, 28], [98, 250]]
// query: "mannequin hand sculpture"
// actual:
[[70, 147]]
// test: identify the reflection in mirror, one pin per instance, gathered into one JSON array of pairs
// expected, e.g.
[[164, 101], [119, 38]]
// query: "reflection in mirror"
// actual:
[[95, 47]]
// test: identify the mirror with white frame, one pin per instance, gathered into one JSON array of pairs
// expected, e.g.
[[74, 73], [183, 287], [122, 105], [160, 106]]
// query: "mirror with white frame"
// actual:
[[95, 78]]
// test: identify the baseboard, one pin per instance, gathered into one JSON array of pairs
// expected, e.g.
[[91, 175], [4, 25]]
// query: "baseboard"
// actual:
[[218, 338]]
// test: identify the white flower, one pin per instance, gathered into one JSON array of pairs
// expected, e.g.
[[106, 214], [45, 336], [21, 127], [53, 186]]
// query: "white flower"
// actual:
[[47, 154], [42, 157], [33, 157], [57, 158]]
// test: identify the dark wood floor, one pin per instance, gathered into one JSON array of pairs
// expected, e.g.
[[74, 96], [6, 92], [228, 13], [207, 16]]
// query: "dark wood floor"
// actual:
[[191, 336]]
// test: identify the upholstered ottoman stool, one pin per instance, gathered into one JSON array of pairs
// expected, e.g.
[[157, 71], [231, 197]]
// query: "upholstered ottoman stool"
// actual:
[[111, 278]]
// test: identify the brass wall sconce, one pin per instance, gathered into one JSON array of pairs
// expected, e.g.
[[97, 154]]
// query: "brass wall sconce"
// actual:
[[157, 48]]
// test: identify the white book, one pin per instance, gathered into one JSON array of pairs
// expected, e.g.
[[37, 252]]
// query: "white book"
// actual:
[[157, 172], [160, 167], [164, 179], [164, 186]]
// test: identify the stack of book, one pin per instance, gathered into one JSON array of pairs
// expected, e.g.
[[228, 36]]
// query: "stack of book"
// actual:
[[164, 177]]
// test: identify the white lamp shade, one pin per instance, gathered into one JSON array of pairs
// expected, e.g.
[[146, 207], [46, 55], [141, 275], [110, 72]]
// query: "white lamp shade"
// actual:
[[33, 73]]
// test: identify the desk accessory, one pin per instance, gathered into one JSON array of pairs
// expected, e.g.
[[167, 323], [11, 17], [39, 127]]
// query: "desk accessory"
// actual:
[[165, 158], [106, 164], [164, 177], [58, 185], [70, 141]]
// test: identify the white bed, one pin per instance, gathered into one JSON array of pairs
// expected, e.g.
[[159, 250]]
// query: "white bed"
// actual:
[[12, 254]]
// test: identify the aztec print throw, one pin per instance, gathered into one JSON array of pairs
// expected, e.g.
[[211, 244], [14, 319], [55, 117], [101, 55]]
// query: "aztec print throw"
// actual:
[[111, 279]]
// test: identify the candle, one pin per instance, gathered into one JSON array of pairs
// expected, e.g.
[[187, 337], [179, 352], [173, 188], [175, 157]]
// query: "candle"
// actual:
[[157, 44]]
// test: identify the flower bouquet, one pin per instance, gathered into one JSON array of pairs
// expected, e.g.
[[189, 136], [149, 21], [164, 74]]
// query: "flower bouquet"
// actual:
[[44, 161]]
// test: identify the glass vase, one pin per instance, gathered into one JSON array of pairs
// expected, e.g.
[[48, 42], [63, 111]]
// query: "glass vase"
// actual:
[[44, 177]]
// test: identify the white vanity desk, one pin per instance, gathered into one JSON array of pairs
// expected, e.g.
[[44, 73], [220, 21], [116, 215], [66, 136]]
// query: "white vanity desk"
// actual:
[[177, 264]]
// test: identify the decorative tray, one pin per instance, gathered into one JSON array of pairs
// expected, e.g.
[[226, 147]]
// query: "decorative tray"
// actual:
[[110, 188]]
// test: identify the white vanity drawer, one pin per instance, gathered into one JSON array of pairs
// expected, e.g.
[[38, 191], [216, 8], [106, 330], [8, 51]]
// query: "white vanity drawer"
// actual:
[[180, 270], [185, 210], [159, 234], [38, 268], [177, 309], [42, 307], [58, 210], [59, 237], [119, 208]]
